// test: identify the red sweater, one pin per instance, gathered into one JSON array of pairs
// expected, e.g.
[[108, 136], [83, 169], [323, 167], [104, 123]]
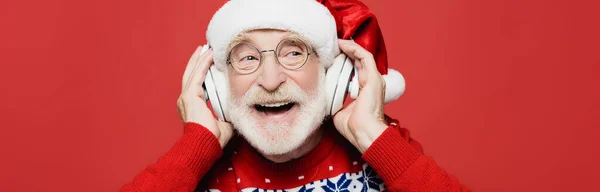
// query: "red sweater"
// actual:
[[394, 162]]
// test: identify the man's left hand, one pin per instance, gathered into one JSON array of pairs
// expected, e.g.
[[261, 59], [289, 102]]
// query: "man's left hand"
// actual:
[[362, 121]]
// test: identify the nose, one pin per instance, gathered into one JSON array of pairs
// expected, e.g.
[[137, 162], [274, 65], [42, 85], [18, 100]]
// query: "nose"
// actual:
[[272, 75]]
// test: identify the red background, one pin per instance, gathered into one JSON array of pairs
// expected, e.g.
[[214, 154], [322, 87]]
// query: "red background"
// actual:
[[503, 94]]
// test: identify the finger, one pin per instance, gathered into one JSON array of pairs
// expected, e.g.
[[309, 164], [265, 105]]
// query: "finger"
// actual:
[[363, 75], [190, 66], [199, 73], [349, 107], [227, 128], [365, 63], [358, 53], [200, 58], [342, 116]]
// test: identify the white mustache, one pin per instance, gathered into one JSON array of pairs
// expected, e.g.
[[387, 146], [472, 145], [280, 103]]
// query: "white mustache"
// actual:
[[288, 92]]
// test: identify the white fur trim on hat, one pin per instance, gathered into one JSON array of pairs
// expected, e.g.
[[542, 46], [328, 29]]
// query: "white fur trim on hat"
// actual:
[[308, 18]]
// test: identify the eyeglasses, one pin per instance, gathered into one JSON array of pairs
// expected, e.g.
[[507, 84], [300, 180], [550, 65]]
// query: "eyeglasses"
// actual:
[[291, 53]]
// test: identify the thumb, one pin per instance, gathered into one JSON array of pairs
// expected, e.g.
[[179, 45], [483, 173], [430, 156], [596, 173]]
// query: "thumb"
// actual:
[[226, 130], [340, 119]]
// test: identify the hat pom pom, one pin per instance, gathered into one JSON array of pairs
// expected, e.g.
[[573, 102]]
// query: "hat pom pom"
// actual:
[[394, 85]]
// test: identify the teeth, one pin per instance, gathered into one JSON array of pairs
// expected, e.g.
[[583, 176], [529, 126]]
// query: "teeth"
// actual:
[[274, 104]]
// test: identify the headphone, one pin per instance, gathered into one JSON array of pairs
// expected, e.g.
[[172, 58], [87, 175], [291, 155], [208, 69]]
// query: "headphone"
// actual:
[[341, 78]]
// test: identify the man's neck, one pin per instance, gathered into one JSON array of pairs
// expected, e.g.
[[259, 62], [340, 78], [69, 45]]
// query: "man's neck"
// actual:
[[309, 144]]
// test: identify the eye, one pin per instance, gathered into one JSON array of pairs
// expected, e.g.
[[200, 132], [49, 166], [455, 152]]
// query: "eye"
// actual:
[[294, 53], [291, 51], [248, 58]]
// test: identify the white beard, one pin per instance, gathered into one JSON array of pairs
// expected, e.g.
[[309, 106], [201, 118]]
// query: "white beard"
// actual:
[[276, 138]]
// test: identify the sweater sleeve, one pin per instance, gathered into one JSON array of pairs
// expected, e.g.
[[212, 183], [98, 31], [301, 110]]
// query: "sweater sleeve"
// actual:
[[400, 162], [181, 168]]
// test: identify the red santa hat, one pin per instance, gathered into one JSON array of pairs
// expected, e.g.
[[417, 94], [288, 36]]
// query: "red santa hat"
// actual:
[[321, 22]]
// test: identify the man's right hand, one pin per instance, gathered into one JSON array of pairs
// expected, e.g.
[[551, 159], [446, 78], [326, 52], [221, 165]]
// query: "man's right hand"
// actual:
[[190, 103]]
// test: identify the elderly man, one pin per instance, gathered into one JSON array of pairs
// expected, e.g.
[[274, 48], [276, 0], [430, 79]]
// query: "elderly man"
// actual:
[[278, 134]]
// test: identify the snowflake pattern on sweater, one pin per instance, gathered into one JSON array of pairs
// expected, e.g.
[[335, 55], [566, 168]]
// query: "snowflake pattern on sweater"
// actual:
[[363, 181]]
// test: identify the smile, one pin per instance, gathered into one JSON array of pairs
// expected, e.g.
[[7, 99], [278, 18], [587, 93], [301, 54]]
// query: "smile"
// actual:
[[275, 110]]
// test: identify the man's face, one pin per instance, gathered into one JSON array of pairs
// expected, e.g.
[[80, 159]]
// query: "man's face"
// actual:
[[276, 108]]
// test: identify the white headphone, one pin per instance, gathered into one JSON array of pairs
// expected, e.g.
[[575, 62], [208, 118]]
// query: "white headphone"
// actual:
[[337, 85]]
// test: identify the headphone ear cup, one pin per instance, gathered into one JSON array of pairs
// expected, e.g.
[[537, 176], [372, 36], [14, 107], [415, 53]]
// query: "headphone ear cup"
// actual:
[[337, 80], [216, 91]]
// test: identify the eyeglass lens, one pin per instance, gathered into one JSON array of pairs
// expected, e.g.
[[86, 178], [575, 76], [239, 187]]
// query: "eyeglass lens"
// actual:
[[291, 53]]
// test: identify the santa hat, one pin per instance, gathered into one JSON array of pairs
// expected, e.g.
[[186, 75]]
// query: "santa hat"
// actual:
[[321, 22]]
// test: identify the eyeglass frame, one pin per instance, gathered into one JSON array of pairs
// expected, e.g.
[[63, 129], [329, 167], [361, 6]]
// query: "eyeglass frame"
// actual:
[[308, 47]]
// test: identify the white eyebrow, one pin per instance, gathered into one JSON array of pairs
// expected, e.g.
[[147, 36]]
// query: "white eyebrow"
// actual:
[[243, 37]]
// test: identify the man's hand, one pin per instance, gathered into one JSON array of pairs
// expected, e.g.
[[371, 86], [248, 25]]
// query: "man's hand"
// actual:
[[362, 121], [190, 103]]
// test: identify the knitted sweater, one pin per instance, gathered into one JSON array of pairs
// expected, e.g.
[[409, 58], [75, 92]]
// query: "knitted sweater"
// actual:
[[394, 162]]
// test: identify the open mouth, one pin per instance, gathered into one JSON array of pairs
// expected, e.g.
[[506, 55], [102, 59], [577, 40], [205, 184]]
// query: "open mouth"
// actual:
[[274, 108]]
